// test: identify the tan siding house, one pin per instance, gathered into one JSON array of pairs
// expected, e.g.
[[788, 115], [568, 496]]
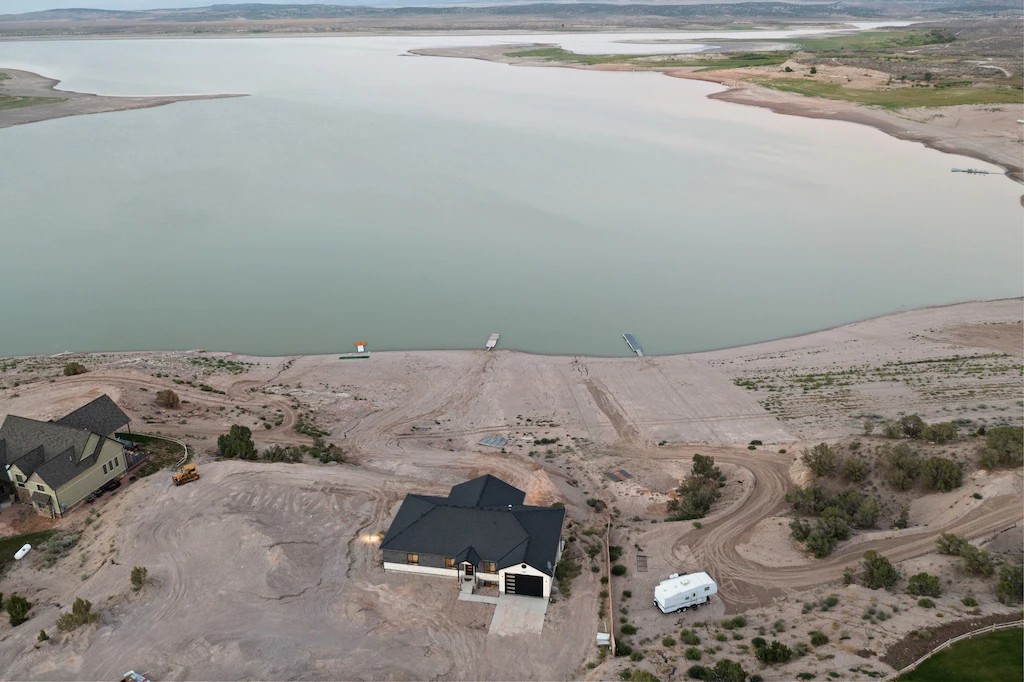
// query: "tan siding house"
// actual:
[[55, 465]]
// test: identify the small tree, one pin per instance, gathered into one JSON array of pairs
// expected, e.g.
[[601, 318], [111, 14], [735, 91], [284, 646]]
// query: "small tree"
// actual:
[[878, 572], [17, 609], [167, 398], [1010, 588], [977, 561], [948, 543], [237, 443], [1004, 447], [776, 652], [943, 474], [726, 671], [42, 636], [74, 368], [924, 585], [814, 70], [913, 426], [821, 459], [704, 467], [903, 520], [140, 574], [80, 614], [855, 469], [869, 427]]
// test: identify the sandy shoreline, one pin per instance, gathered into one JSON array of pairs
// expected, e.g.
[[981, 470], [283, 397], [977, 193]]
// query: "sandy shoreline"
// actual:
[[62, 103], [966, 130]]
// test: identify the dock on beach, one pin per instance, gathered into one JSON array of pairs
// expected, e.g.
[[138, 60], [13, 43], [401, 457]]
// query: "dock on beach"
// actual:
[[492, 341], [634, 345]]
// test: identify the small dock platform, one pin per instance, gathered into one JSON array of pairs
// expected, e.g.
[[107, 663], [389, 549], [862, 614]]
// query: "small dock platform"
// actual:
[[492, 341], [634, 345], [974, 171]]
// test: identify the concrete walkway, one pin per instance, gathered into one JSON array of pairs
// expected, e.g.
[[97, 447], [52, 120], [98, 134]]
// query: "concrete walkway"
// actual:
[[518, 615]]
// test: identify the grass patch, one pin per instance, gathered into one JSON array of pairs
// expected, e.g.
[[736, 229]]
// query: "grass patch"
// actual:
[[897, 98], [995, 656], [163, 454], [873, 41], [16, 102], [10, 545], [710, 63]]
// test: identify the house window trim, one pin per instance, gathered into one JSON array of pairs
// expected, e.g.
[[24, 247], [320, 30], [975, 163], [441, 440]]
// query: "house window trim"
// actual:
[[40, 487], [412, 559]]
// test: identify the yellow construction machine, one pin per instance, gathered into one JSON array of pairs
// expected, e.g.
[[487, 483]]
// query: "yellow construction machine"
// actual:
[[189, 472]]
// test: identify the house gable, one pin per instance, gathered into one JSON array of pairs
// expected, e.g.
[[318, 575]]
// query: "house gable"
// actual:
[[101, 416]]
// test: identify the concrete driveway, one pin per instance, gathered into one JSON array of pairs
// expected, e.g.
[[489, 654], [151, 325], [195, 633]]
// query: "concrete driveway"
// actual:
[[518, 615]]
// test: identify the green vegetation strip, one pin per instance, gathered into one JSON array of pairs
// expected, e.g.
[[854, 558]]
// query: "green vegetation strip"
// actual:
[[995, 656], [871, 41], [897, 98], [10, 545], [731, 61], [13, 102]]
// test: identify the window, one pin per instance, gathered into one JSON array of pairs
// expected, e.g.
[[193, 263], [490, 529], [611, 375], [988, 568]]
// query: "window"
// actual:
[[412, 559], [115, 462], [21, 485], [19, 478], [104, 468], [707, 589], [40, 488], [489, 567], [449, 562]]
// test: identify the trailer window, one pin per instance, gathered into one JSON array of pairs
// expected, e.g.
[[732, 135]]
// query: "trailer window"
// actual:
[[707, 589]]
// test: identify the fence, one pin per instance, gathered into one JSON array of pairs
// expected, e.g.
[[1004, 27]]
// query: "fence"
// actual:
[[949, 642], [611, 592]]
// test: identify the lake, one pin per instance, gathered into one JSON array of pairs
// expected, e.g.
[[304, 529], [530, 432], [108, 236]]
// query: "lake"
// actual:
[[421, 202]]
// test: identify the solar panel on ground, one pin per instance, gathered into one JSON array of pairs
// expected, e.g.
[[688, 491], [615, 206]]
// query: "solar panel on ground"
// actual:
[[613, 475], [625, 474], [494, 441]]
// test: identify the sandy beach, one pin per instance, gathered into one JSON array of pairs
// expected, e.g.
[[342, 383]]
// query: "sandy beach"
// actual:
[[49, 102], [412, 422]]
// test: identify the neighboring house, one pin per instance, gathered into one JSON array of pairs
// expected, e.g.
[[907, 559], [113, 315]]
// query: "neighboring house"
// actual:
[[481, 532], [55, 465]]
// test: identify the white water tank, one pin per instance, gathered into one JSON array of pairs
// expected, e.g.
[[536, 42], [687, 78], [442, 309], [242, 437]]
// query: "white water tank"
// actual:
[[22, 552]]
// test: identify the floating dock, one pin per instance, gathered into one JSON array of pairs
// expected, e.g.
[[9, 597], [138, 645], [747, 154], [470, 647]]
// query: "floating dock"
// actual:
[[633, 344], [974, 171], [492, 341], [361, 352]]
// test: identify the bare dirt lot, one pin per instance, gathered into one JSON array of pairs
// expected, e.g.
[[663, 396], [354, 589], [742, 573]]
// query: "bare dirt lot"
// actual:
[[270, 571]]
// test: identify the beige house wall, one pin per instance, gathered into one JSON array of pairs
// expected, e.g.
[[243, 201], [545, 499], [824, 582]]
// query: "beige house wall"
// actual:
[[78, 488]]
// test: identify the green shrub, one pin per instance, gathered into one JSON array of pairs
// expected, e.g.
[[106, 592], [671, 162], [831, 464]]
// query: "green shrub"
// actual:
[[903, 464], [924, 585], [692, 654], [732, 623], [80, 614], [17, 608], [614, 552], [773, 653], [237, 442], [925, 603], [565, 571], [626, 594], [943, 474], [1010, 586], [948, 543], [829, 602], [878, 571], [140, 574], [855, 469], [977, 561], [697, 672], [819, 638], [969, 601], [42, 636], [618, 569], [74, 368], [629, 629], [668, 641], [758, 642], [727, 671], [636, 656], [821, 459], [1004, 447], [689, 637]]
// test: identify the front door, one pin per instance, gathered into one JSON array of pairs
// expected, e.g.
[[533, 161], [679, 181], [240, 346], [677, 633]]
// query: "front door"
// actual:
[[469, 570]]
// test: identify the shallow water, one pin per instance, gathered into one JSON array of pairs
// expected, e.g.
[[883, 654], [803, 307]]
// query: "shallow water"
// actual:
[[421, 202]]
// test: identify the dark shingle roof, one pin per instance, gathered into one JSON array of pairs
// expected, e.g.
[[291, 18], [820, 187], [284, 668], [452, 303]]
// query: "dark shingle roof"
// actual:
[[58, 470], [101, 416], [485, 491], [504, 535], [28, 443]]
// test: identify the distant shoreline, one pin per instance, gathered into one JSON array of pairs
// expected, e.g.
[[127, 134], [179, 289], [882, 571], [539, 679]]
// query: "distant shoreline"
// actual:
[[43, 101], [968, 134]]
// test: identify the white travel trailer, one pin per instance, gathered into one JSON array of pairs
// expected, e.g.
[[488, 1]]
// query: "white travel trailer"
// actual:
[[681, 592]]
